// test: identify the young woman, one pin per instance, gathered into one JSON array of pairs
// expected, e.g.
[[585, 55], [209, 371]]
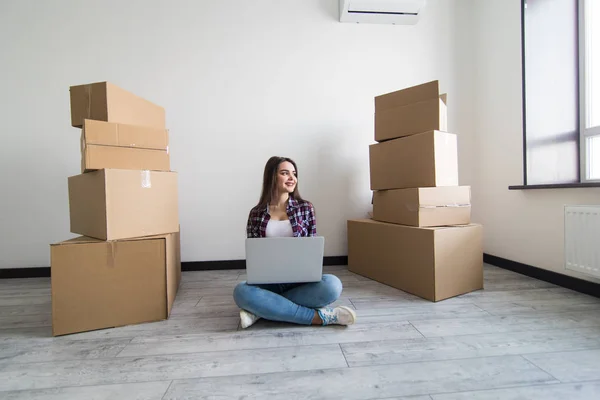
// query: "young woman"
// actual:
[[281, 211]]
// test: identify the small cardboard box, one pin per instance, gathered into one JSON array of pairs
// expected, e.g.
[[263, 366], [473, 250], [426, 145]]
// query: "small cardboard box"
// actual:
[[432, 263], [428, 159], [432, 206], [123, 135], [98, 284], [412, 110], [95, 157], [111, 204], [413, 94], [412, 118], [104, 101]]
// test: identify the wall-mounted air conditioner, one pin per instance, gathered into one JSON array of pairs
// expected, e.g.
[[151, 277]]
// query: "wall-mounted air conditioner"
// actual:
[[396, 12]]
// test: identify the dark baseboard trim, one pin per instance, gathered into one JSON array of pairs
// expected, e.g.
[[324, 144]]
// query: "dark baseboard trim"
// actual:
[[241, 264], [569, 282], [212, 265], [44, 272], [14, 273], [335, 260]]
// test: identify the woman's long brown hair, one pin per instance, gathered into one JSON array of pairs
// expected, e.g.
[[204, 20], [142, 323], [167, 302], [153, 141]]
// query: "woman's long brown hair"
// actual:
[[269, 186]]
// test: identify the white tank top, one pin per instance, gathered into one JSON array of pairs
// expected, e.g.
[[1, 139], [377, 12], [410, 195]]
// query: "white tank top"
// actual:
[[279, 228]]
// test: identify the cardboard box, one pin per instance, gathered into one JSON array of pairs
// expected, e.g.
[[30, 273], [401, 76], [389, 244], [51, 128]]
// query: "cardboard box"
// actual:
[[412, 118], [428, 159], [103, 101], [95, 157], [98, 284], [432, 263], [413, 94], [111, 204], [433, 206], [123, 135]]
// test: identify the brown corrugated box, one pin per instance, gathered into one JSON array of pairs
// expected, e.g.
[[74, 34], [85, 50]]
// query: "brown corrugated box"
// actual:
[[426, 159], [124, 135], [409, 111], [410, 119], [104, 101], [432, 206], [95, 157], [112, 204], [433, 263], [413, 94], [98, 284]]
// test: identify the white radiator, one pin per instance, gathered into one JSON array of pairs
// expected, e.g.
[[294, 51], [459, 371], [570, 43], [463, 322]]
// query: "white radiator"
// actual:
[[582, 239]]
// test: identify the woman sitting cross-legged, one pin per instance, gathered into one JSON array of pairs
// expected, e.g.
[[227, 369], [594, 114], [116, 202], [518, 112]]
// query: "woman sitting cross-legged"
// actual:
[[281, 212]]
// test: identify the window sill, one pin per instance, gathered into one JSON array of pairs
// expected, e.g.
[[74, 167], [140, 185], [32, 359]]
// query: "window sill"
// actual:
[[555, 186]]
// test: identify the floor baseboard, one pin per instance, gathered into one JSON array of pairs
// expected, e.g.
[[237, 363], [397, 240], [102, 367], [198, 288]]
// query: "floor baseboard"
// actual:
[[241, 264], [15, 273], [569, 282], [44, 272]]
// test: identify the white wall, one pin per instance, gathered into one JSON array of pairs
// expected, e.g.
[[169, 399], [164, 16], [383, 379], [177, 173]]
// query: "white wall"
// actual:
[[524, 226], [241, 81]]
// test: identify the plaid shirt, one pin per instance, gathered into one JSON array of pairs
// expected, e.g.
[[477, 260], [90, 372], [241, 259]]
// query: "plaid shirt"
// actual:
[[301, 215]]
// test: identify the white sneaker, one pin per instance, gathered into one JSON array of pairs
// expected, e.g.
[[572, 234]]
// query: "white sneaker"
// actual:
[[340, 315], [247, 318]]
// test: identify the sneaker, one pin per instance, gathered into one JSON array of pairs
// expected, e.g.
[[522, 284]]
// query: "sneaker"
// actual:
[[340, 315], [247, 318]]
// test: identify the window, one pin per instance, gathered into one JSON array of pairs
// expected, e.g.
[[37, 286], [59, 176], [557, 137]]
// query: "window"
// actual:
[[590, 87], [561, 91]]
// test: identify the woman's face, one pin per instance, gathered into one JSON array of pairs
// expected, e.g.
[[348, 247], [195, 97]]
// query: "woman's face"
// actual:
[[286, 177]]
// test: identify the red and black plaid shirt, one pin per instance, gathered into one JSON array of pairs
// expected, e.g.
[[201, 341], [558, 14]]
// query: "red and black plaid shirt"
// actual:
[[301, 215]]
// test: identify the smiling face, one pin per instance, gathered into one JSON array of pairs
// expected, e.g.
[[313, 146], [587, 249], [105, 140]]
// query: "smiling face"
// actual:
[[286, 177]]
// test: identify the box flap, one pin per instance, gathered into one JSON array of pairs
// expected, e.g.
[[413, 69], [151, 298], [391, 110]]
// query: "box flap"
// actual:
[[446, 157]]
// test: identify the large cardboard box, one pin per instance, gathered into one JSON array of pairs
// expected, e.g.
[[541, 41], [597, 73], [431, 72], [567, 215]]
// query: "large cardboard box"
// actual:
[[123, 135], [412, 118], [112, 204], [98, 284], [104, 101], [432, 263], [428, 159], [95, 157], [432, 206]]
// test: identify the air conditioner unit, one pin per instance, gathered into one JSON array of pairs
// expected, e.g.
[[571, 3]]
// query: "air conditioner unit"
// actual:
[[395, 12]]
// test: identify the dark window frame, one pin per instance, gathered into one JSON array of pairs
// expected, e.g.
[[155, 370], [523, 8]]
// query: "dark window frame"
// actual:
[[581, 183]]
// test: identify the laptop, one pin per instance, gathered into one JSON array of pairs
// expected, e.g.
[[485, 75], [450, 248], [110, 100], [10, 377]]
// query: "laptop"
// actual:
[[284, 259]]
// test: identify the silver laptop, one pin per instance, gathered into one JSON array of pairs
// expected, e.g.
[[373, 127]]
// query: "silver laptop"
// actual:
[[284, 259]]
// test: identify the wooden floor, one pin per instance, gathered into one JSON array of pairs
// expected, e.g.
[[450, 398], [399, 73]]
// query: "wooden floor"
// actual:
[[518, 339]]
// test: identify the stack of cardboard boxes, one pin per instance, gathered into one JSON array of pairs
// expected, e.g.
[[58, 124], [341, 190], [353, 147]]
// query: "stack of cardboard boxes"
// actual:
[[420, 238], [126, 267]]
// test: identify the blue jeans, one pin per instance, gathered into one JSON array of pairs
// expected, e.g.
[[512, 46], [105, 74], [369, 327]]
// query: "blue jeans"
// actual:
[[295, 303]]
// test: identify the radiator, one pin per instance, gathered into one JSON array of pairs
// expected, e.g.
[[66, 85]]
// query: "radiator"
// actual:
[[582, 239]]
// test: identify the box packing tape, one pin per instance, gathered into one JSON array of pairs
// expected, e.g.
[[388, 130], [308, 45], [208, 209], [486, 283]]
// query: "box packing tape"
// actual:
[[146, 181]]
